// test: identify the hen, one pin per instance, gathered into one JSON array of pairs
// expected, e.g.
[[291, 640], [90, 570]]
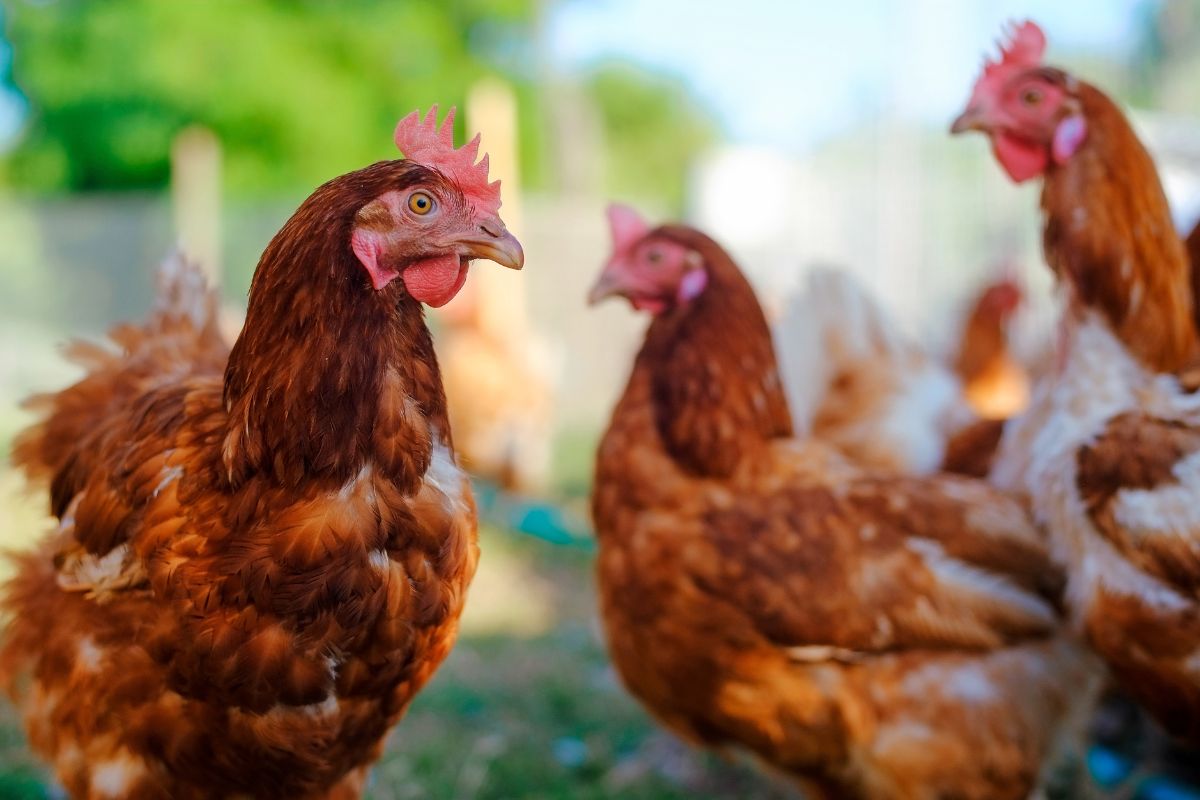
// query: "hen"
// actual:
[[1192, 243], [262, 554], [854, 380], [1109, 451], [873, 636], [995, 383]]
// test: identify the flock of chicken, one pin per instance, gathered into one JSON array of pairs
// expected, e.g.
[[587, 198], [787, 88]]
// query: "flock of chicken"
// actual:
[[263, 551]]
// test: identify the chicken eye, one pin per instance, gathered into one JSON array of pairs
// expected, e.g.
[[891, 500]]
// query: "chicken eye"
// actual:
[[420, 203], [1031, 97]]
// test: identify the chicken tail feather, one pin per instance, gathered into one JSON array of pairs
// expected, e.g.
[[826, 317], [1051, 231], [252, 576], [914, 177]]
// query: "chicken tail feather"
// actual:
[[181, 335]]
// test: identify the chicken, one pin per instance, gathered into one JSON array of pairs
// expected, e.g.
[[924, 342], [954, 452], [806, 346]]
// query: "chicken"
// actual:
[[262, 553], [854, 380], [1109, 449], [870, 635], [1192, 243], [501, 399], [995, 383]]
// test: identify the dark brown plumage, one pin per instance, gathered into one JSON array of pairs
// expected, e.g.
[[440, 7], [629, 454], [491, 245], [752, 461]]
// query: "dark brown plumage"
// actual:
[[995, 384], [873, 636], [260, 559], [1108, 235], [1192, 245]]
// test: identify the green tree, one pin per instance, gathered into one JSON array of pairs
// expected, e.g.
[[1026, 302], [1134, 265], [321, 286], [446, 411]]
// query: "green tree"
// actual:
[[653, 129], [1168, 56], [300, 90], [297, 91]]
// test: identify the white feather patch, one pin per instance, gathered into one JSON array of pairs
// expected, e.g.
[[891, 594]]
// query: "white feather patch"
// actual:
[[444, 477], [167, 477], [89, 654], [1038, 455], [116, 777], [1172, 510], [967, 682]]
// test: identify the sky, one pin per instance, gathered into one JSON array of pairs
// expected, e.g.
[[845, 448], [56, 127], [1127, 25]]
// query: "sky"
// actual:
[[789, 74], [11, 107]]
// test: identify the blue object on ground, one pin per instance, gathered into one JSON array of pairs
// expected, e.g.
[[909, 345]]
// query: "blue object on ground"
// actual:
[[1107, 767], [536, 518], [1164, 788]]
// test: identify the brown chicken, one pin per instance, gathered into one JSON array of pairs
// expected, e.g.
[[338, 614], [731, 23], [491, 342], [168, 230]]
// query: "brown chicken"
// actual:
[[1109, 451], [856, 381], [872, 636], [262, 555], [500, 392], [995, 384], [1192, 243]]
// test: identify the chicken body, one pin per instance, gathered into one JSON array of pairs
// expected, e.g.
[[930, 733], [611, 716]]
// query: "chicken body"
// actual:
[[1107, 453], [872, 636], [262, 554], [855, 381], [1110, 448], [995, 383]]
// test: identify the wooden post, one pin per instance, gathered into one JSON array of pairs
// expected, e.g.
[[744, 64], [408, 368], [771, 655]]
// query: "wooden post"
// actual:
[[499, 293], [196, 198]]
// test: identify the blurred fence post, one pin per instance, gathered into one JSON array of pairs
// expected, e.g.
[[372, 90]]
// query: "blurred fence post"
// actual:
[[501, 303], [196, 197]]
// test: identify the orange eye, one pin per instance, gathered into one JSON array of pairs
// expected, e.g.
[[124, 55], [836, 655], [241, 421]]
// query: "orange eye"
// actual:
[[1031, 97], [420, 203]]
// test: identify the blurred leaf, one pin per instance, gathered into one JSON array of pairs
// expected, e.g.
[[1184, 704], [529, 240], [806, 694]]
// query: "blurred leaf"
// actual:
[[654, 130], [300, 91], [297, 92]]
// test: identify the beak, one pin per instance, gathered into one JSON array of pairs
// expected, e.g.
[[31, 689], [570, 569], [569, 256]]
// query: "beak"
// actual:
[[607, 286], [494, 243], [970, 120]]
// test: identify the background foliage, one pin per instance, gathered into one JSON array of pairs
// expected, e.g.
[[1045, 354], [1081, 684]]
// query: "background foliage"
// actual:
[[301, 91]]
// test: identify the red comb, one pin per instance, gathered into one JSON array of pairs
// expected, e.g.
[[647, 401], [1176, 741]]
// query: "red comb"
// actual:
[[626, 226], [422, 141], [1026, 44]]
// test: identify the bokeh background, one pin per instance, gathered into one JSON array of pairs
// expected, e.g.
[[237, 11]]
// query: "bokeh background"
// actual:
[[795, 133]]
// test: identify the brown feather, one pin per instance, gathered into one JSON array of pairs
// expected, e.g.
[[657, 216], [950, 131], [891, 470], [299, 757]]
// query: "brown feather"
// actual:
[[1108, 232], [1192, 245], [254, 574], [765, 592]]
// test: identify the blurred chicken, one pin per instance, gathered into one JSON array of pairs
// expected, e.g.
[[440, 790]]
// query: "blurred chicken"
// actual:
[[1192, 243], [501, 399], [1109, 451], [995, 383], [871, 635], [856, 381], [262, 553]]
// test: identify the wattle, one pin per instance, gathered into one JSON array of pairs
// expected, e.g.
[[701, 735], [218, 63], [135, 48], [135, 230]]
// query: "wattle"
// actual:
[[1021, 158], [435, 281], [651, 304]]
